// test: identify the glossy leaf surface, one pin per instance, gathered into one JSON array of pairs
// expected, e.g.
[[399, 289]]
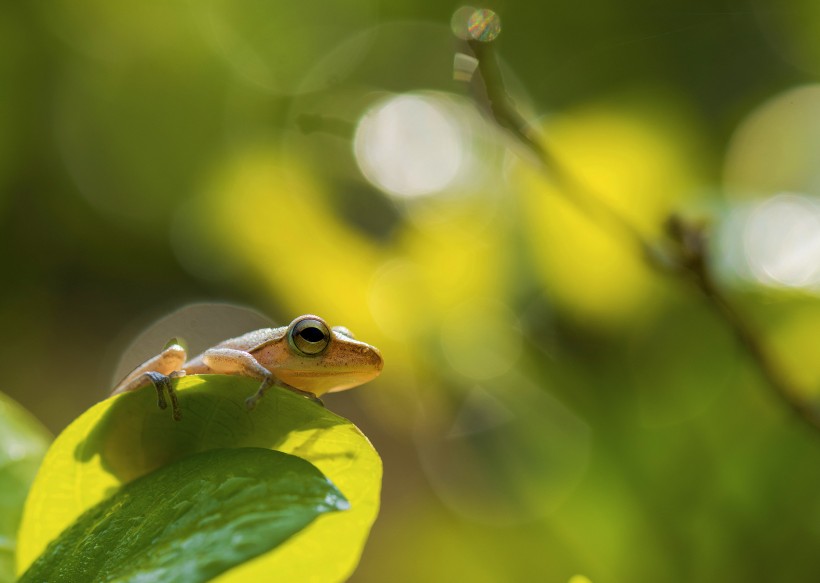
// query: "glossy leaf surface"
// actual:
[[191, 520], [126, 437]]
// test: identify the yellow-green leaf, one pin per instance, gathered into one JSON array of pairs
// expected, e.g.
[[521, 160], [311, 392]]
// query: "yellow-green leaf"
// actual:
[[127, 436], [191, 520]]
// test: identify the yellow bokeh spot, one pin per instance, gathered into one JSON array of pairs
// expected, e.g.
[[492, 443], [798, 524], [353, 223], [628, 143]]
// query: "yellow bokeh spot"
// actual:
[[457, 258], [272, 216], [579, 579], [588, 265]]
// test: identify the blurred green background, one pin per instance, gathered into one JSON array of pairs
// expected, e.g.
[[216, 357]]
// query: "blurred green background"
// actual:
[[551, 409]]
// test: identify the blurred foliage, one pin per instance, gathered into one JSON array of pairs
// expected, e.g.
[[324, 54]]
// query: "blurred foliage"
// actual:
[[550, 408], [23, 442]]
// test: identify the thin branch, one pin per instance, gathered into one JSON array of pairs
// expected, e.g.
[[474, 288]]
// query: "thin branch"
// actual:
[[749, 340], [503, 109], [690, 256], [694, 258]]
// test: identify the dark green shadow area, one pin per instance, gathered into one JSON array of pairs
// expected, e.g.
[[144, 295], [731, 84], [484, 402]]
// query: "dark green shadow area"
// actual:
[[191, 520], [135, 437]]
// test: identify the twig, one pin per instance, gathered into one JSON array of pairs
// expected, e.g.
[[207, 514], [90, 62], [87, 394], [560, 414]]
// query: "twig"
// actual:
[[689, 256], [506, 114], [693, 257]]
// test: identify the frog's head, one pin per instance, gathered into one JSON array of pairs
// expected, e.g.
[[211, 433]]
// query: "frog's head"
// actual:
[[313, 357]]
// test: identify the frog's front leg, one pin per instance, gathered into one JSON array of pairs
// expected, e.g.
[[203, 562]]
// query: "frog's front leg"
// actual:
[[158, 371], [162, 383], [241, 363]]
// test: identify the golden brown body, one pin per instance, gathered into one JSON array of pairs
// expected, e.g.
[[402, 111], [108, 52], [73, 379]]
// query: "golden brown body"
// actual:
[[306, 356]]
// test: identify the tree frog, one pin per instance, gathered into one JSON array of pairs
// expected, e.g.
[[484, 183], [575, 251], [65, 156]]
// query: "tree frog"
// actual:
[[306, 357]]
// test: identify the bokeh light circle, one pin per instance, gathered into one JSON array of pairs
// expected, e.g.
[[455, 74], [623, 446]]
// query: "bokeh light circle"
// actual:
[[771, 236], [776, 148], [484, 25], [782, 241], [459, 23], [774, 242], [411, 145]]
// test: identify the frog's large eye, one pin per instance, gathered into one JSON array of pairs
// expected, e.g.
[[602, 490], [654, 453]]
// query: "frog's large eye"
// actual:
[[309, 336]]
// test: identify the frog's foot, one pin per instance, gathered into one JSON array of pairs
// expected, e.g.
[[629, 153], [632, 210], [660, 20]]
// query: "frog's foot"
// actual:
[[306, 394], [251, 401], [163, 383]]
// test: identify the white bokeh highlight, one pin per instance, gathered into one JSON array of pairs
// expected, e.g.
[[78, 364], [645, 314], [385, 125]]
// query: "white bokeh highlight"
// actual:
[[775, 149], [782, 241], [775, 242], [411, 145]]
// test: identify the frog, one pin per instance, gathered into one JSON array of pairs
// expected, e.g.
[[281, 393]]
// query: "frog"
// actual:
[[306, 357]]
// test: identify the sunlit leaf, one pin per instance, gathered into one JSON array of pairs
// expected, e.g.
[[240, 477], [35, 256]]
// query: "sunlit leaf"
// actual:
[[191, 520], [126, 437], [23, 442]]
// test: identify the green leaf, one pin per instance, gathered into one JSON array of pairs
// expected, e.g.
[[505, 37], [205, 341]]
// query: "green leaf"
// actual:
[[128, 436], [191, 520], [23, 442]]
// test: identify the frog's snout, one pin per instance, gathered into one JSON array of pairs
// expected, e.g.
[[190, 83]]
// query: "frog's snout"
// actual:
[[377, 361]]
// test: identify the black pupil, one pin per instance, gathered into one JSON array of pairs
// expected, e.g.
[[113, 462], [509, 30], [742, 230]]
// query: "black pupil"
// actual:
[[312, 334]]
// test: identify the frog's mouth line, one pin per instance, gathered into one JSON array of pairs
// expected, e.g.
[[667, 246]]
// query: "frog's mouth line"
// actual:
[[324, 373]]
